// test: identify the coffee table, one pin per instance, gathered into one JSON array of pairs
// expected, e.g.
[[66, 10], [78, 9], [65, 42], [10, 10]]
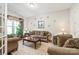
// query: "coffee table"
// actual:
[[33, 38]]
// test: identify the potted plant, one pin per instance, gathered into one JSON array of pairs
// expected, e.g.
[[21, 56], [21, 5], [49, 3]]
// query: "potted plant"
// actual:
[[10, 36], [19, 31]]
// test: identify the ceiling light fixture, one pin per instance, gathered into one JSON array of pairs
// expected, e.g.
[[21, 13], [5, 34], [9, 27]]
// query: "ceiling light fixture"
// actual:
[[33, 5]]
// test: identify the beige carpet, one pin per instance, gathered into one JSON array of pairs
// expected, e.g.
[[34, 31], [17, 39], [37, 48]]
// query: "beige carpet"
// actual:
[[28, 48]]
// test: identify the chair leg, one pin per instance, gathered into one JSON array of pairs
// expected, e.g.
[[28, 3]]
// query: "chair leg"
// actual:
[[9, 53]]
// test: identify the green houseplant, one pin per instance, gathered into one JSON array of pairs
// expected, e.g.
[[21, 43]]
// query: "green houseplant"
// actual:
[[10, 36], [19, 31]]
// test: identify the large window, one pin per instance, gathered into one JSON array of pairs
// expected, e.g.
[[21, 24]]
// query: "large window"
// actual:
[[11, 26]]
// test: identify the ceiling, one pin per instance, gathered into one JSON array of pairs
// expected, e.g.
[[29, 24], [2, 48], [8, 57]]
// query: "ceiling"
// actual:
[[42, 8], [2, 7]]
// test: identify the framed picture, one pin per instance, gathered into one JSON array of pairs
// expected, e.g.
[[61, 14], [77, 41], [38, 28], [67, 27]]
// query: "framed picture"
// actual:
[[41, 24]]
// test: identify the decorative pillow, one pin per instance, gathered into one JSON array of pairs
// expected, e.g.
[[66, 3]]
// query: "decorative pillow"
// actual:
[[45, 33], [72, 43]]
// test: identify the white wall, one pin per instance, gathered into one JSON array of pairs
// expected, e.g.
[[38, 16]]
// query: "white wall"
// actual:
[[53, 22], [74, 19]]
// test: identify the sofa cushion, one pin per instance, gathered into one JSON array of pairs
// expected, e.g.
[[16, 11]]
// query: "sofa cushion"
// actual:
[[72, 43]]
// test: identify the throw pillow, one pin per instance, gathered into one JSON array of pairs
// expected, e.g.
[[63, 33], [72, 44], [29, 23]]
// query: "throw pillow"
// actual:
[[72, 43]]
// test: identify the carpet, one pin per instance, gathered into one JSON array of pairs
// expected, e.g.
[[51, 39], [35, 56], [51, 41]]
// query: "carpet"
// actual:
[[28, 48]]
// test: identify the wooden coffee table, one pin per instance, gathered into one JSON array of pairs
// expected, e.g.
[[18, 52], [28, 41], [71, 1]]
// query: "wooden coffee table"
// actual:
[[34, 39]]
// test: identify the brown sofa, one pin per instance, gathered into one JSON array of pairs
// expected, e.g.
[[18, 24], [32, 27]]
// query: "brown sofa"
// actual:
[[71, 47], [12, 44], [47, 35]]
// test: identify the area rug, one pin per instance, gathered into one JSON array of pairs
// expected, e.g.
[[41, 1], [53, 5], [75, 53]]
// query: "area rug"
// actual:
[[28, 48]]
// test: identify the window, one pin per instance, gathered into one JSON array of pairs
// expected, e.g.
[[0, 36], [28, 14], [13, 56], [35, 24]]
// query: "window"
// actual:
[[11, 26], [16, 23]]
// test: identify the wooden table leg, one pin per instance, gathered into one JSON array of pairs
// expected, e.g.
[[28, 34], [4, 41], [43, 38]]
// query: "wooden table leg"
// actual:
[[35, 44], [40, 41], [23, 42]]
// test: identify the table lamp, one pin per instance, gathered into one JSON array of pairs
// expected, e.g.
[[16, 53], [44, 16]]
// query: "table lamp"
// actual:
[[63, 30]]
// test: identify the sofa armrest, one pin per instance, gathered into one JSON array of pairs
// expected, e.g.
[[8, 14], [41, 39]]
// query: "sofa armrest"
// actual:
[[54, 50], [13, 39], [49, 37]]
